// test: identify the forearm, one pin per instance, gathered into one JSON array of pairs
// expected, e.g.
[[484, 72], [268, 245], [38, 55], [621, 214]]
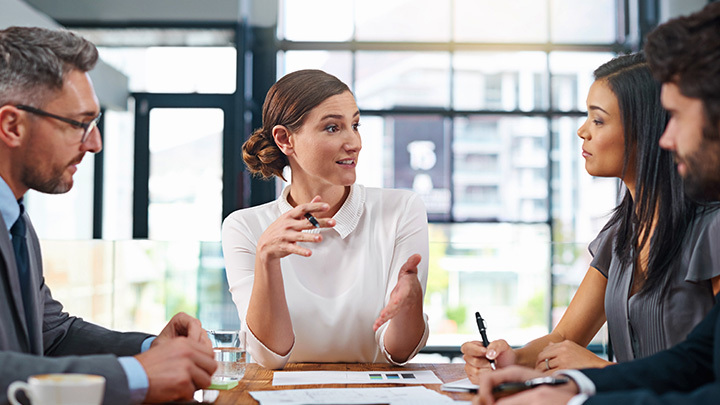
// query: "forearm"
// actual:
[[527, 355], [405, 331], [85, 338], [268, 316]]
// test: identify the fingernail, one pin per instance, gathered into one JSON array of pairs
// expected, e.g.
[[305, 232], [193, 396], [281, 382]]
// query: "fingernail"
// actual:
[[491, 354]]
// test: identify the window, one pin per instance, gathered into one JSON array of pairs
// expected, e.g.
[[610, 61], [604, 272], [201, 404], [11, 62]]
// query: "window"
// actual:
[[474, 105]]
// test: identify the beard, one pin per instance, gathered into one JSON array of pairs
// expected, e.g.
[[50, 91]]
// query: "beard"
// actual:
[[44, 184], [48, 179], [702, 178]]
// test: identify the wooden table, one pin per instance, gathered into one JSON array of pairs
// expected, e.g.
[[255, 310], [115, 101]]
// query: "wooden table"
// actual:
[[260, 379]]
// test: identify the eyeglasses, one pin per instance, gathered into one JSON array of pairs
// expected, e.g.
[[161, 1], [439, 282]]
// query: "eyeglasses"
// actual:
[[86, 126]]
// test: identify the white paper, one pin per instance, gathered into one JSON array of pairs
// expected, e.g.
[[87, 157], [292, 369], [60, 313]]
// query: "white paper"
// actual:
[[393, 396], [463, 385], [355, 377]]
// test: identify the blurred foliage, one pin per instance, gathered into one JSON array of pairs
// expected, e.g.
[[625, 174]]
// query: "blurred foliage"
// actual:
[[533, 312], [437, 276], [457, 314]]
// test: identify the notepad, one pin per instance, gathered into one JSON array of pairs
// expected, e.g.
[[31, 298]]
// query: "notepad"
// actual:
[[463, 385], [355, 377]]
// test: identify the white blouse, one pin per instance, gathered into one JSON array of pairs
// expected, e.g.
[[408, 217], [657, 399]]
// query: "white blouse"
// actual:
[[335, 295]]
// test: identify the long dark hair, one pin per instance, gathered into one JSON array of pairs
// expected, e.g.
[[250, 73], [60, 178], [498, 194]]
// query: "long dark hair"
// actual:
[[659, 191]]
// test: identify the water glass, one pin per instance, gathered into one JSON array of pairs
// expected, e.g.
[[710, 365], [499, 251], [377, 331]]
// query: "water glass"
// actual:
[[229, 351]]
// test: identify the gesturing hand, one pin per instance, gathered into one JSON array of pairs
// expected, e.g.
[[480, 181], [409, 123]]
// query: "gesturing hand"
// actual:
[[282, 236], [407, 292], [176, 368], [184, 325]]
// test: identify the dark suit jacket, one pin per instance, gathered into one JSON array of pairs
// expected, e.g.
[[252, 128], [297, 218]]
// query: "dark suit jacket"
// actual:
[[688, 373], [60, 343]]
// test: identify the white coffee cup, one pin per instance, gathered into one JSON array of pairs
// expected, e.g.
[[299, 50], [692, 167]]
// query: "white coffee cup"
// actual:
[[60, 389]]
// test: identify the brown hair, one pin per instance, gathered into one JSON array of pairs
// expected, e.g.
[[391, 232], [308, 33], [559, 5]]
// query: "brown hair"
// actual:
[[686, 51], [287, 103]]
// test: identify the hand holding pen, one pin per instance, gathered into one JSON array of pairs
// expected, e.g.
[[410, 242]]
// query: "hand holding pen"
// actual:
[[283, 236], [483, 334], [484, 356]]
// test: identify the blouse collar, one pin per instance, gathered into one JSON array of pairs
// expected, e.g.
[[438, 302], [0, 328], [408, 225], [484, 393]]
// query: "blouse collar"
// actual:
[[346, 219]]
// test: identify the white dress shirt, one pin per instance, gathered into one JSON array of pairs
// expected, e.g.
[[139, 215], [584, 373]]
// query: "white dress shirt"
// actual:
[[335, 295]]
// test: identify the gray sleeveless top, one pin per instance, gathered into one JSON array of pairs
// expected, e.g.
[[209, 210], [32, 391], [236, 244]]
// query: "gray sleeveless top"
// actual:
[[645, 324]]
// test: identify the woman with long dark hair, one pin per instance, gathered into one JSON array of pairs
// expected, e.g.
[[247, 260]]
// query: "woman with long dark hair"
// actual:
[[656, 266]]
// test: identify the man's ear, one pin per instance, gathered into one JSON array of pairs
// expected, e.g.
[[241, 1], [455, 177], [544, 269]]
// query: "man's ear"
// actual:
[[12, 126], [283, 139]]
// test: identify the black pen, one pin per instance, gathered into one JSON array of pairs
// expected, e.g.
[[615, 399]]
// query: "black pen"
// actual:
[[486, 342], [312, 220]]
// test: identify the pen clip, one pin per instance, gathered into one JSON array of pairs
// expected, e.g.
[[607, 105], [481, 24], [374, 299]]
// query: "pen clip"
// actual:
[[480, 323]]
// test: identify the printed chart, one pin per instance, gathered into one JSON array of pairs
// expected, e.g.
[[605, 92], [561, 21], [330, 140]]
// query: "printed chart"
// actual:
[[355, 377]]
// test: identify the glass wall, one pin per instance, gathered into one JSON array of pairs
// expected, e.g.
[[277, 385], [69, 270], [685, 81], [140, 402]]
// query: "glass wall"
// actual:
[[140, 284], [473, 104]]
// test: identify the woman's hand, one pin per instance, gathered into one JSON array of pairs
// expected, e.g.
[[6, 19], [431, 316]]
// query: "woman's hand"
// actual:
[[281, 238], [407, 292], [567, 354], [477, 357]]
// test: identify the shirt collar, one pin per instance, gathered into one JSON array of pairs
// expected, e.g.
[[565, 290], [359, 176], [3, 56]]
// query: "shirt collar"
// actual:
[[347, 218], [9, 208]]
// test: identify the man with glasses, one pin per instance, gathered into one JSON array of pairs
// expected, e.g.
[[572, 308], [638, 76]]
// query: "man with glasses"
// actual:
[[684, 54], [48, 121]]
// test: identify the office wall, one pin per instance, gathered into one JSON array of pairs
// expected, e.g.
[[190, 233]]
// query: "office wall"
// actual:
[[16, 12], [262, 13], [111, 86], [100, 11], [674, 8]]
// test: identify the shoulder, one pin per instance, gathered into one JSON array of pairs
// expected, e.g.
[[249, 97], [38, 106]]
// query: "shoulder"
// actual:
[[391, 200], [705, 226], [708, 217], [604, 241], [399, 196], [701, 254], [258, 216]]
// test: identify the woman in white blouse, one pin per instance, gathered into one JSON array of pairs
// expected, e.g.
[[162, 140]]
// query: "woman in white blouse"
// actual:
[[347, 284]]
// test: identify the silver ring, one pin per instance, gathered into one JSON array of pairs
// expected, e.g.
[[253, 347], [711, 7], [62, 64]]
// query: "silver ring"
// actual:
[[547, 364]]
